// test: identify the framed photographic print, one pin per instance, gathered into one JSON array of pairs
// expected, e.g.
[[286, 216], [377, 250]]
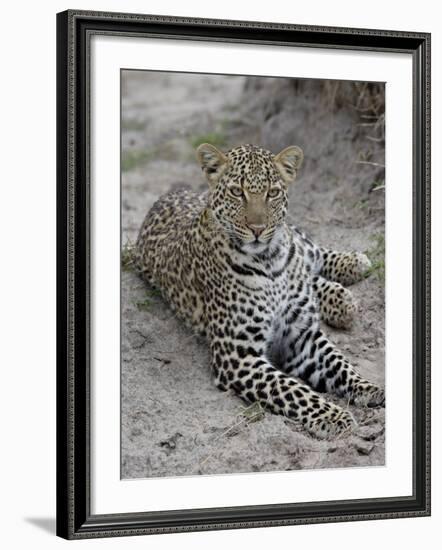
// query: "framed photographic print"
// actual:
[[243, 274]]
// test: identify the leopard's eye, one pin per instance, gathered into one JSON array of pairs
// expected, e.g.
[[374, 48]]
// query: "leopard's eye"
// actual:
[[274, 192], [236, 191]]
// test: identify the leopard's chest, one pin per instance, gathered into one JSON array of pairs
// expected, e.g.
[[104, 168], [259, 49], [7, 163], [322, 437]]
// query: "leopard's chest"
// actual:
[[261, 296], [262, 290]]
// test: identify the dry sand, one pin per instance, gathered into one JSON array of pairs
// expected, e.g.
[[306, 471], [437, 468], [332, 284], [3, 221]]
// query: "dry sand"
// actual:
[[174, 420]]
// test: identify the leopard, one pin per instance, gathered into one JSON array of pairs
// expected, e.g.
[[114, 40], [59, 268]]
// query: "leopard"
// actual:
[[232, 267]]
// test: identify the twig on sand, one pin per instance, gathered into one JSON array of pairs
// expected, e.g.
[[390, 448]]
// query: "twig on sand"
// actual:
[[370, 419], [378, 187], [174, 352], [370, 163], [375, 139], [347, 431], [247, 415]]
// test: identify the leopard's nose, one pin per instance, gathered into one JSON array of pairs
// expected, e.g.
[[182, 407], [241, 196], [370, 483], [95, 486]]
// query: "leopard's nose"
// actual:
[[257, 229]]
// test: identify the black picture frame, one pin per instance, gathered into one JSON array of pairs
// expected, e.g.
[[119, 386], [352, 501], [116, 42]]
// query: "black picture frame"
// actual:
[[74, 518]]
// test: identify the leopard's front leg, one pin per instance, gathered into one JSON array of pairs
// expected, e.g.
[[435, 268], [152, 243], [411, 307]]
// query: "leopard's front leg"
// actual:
[[345, 268], [239, 363], [314, 359], [336, 303]]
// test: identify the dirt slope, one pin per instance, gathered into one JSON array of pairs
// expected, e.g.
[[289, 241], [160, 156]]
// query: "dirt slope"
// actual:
[[174, 421]]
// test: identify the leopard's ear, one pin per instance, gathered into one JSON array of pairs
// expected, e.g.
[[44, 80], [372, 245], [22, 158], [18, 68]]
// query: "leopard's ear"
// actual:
[[288, 162], [212, 161]]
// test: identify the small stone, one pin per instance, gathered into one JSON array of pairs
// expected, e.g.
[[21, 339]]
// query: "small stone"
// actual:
[[370, 432], [364, 447]]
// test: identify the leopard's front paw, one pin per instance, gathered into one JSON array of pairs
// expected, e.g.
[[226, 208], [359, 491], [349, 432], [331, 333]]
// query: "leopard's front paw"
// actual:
[[331, 422], [361, 264], [366, 394], [351, 268], [338, 309]]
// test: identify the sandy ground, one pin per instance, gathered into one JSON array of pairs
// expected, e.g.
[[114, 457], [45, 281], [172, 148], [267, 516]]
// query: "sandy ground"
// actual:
[[174, 420]]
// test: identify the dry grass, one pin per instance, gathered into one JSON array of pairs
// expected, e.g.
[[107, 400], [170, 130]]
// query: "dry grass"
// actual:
[[367, 98], [246, 416], [127, 256]]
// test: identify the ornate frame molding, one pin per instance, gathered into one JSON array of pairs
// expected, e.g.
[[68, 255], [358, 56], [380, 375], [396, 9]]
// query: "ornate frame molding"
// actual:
[[74, 30]]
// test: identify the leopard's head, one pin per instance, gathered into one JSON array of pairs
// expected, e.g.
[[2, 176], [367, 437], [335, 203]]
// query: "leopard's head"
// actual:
[[249, 190]]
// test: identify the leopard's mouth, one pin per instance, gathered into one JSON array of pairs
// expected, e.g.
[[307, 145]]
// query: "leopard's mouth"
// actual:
[[258, 244], [255, 247], [247, 240]]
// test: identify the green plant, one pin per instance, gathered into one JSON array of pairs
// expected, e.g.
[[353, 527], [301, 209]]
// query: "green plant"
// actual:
[[145, 304], [215, 138], [377, 257], [361, 204], [377, 185], [127, 256], [132, 158], [132, 124]]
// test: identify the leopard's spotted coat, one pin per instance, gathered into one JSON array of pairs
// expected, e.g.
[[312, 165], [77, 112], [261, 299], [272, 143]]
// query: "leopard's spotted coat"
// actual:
[[229, 263]]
